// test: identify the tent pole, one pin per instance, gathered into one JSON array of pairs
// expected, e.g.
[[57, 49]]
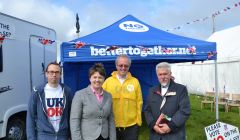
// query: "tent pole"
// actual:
[[216, 89], [216, 74], [213, 25]]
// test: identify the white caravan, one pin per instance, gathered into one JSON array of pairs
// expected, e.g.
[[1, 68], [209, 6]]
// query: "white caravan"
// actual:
[[23, 59]]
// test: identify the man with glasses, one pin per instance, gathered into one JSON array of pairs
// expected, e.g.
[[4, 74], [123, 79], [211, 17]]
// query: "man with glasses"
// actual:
[[49, 108], [127, 99]]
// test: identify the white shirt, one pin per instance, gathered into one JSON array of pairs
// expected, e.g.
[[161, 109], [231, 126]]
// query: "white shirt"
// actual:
[[121, 79], [164, 90], [54, 104]]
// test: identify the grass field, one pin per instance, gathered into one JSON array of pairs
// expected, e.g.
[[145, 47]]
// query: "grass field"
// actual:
[[200, 119]]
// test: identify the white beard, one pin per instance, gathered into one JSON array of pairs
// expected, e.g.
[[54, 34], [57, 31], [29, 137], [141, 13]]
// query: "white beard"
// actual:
[[165, 84]]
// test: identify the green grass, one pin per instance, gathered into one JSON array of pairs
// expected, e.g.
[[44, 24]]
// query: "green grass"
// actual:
[[199, 119]]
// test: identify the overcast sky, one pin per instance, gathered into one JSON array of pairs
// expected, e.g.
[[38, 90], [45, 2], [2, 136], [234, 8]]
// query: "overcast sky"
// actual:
[[97, 14]]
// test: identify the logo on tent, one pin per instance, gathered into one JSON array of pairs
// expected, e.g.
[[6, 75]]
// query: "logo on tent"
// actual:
[[133, 26]]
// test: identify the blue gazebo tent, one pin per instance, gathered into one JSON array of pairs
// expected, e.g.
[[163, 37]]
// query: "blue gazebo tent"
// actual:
[[144, 44]]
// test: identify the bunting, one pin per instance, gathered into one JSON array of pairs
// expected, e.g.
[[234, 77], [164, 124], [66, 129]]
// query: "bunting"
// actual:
[[41, 40], [79, 44], [2, 37], [226, 9], [45, 41], [112, 48], [166, 50], [211, 54], [190, 50]]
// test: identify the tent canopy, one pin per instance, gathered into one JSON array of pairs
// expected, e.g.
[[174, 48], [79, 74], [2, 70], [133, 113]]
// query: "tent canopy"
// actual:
[[144, 44], [140, 41], [228, 44]]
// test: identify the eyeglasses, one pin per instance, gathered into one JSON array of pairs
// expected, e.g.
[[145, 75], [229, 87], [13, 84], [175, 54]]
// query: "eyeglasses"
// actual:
[[53, 72], [122, 65]]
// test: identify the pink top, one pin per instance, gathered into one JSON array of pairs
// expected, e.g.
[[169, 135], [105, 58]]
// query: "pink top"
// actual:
[[98, 95]]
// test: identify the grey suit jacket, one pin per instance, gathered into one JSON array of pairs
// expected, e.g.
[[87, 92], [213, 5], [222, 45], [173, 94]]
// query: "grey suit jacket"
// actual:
[[177, 107], [89, 119]]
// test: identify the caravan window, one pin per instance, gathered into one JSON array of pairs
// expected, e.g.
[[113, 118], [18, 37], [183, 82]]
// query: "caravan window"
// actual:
[[1, 59]]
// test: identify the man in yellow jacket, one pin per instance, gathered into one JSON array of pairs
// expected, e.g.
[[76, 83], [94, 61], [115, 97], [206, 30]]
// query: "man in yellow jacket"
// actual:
[[127, 99]]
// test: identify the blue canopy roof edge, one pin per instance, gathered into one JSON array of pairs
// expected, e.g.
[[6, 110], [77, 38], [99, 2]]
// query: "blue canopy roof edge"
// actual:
[[140, 41], [168, 53]]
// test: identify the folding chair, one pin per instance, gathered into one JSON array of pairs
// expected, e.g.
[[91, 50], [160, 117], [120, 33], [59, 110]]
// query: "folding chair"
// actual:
[[208, 99], [223, 99], [234, 102]]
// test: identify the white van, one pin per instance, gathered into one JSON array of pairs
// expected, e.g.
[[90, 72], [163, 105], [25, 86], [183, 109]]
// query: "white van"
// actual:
[[23, 59]]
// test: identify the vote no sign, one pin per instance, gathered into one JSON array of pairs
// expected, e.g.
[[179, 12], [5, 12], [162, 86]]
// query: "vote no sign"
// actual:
[[222, 131]]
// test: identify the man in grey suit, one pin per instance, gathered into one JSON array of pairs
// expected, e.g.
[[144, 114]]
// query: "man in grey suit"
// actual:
[[91, 114], [168, 107]]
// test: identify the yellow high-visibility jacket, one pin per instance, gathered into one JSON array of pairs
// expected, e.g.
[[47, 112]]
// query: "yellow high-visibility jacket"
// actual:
[[127, 100]]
